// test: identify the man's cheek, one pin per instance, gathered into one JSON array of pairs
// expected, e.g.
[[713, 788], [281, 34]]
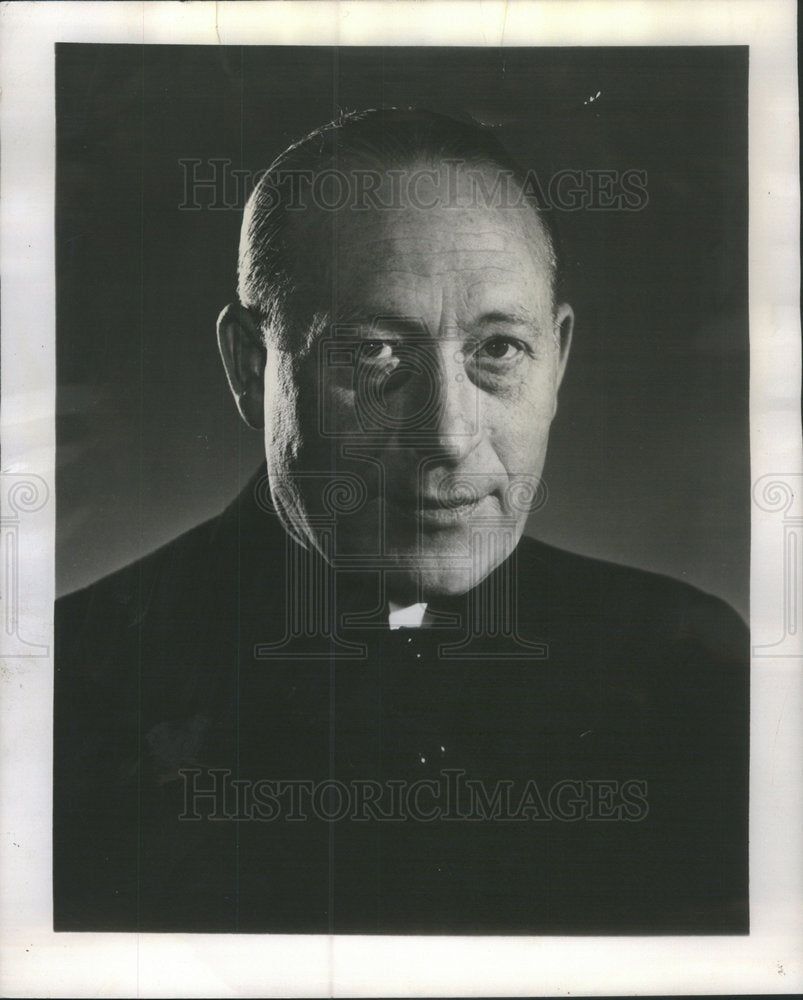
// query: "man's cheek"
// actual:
[[337, 411], [520, 443], [520, 416], [325, 421]]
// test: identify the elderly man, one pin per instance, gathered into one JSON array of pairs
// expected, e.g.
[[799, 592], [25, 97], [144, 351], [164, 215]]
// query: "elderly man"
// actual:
[[360, 701]]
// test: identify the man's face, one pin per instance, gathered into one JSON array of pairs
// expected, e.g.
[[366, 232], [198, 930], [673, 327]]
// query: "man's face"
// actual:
[[409, 433]]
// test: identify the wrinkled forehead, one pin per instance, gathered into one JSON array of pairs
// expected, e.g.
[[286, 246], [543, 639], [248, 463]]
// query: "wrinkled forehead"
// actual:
[[419, 240]]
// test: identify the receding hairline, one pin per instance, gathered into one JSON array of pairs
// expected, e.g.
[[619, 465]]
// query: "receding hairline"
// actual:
[[269, 228]]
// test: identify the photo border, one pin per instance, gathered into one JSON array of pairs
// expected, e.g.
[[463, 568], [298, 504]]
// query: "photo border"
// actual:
[[33, 960]]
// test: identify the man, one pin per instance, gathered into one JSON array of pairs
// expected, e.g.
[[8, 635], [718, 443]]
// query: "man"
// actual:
[[360, 701]]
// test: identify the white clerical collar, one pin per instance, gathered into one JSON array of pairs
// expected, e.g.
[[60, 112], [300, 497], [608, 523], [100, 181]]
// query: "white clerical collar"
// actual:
[[413, 616]]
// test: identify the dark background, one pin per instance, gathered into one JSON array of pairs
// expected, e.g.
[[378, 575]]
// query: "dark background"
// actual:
[[649, 455]]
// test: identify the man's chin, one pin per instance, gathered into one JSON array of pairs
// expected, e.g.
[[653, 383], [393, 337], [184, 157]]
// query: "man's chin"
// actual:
[[436, 584], [420, 563], [428, 582]]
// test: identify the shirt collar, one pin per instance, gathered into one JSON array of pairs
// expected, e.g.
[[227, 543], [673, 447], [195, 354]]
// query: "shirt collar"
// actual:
[[412, 616]]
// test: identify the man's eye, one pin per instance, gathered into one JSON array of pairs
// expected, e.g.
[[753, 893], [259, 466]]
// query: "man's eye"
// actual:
[[377, 350], [498, 349]]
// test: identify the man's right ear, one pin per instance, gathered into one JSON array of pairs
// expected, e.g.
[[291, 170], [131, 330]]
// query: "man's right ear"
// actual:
[[239, 340]]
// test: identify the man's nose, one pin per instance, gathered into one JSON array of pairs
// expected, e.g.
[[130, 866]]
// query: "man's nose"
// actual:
[[453, 430]]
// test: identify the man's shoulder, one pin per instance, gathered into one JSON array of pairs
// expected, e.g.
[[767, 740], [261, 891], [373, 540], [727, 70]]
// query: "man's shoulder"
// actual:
[[584, 589], [175, 593], [208, 557], [172, 568]]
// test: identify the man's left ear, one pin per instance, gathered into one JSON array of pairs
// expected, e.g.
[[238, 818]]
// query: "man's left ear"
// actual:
[[563, 325], [239, 340]]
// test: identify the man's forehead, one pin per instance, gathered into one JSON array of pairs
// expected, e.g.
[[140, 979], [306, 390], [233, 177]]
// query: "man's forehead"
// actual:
[[423, 300], [416, 248], [417, 202], [438, 227], [400, 265], [414, 264], [404, 259]]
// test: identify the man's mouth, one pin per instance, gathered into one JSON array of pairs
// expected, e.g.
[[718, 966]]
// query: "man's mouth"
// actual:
[[446, 514], [435, 511]]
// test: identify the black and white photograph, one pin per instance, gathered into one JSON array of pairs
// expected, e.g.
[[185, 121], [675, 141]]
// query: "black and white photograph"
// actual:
[[370, 694], [405, 575]]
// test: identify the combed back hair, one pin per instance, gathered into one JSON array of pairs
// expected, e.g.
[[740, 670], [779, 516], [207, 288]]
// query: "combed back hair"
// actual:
[[274, 279]]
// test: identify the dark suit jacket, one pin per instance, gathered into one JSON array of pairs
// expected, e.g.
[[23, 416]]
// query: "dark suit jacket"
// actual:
[[567, 749]]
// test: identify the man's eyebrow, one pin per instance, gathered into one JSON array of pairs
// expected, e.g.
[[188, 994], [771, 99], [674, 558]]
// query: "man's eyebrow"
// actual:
[[401, 325], [507, 318], [388, 323]]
